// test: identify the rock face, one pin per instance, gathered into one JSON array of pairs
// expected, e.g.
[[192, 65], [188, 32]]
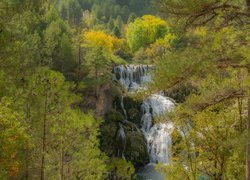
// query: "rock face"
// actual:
[[104, 100], [129, 108], [103, 103], [123, 139], [136, 149]]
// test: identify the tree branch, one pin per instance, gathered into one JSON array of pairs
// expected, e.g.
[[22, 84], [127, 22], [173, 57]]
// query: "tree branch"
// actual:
[[219, 98]]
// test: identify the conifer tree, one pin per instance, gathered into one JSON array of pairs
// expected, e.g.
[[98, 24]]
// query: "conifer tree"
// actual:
[[214, 59]]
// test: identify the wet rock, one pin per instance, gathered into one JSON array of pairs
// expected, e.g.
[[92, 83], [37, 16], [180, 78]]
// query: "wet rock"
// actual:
[[136, 150], [114, 116], [134, 115], [107, 140]]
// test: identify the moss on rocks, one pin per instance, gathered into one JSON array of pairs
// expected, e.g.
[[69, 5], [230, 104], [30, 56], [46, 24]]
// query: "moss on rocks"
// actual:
[[136, 150], [114, 116], [134, 115]]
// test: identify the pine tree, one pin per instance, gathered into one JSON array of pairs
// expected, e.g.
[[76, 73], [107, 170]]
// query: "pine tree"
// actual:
[[13, 138], [61, 134], [131, 18], [215, 60], [99, 49], [116, 31]]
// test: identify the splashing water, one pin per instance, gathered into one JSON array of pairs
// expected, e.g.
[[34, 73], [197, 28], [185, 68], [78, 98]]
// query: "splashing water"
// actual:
[[158, 136]]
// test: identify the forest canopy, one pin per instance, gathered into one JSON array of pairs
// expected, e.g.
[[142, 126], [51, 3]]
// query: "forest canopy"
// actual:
[[77, 79]]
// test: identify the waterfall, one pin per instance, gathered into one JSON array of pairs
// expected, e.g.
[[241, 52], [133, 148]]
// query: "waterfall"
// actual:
[[122, 137], [131, 77], [123, 109], [157, 135]]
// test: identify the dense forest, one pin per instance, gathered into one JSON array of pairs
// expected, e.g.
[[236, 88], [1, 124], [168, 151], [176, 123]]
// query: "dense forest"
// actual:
[[125, 89]]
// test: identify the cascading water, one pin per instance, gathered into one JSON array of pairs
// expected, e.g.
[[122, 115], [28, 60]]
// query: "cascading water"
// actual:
[[122, 137], [131, 77], [123, 109], [157, 135]]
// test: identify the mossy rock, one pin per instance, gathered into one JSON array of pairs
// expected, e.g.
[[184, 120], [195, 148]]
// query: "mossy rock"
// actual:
[[117, 75], [134, 115], [115, 91], [107, 140], [114, 116], [117, 104], [131, 103], [136, 150]]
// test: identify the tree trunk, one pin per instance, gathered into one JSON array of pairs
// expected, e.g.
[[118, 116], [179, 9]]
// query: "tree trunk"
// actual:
[[44, 137], [79, 63], [62, 150], [248, 131], [240, 109], [248, 121], [248, 144], [26, 166], [62, 163], [27, 152], [97, 82]]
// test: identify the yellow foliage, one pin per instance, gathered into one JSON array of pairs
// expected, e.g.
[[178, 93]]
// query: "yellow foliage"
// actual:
[[98, 38], [151, 23], [166, 41], [149, 20], [145, 31], [14, 169], [160, 46], [120, 44], [201, 31], [227, 30]]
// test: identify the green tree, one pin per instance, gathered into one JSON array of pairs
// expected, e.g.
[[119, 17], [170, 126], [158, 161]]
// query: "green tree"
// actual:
[[111, 24], [38, 114], [116, 31], [125, 12], [96, 10], [89, 161], [215, 60], [120, 169], [47, 96], [13, 138], [131, 18], [98, 63], [58, 48], [20, 55], [99, 58], [63, 136], [119, 22], [144, 31]]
